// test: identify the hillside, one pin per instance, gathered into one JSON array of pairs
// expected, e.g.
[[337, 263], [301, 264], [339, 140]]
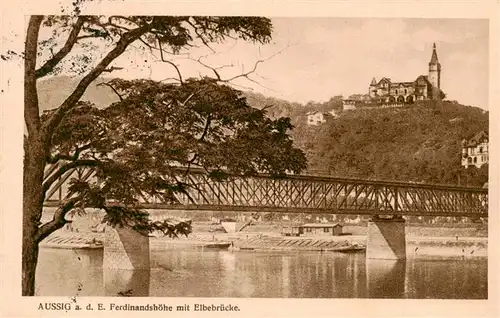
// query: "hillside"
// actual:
[[419, 143], [53, 91]]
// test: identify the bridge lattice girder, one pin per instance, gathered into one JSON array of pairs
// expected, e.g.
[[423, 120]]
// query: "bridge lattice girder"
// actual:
[[304, 194]]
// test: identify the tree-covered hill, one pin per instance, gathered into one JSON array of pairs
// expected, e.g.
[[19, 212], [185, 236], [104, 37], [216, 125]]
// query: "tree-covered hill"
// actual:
[[420, 143]]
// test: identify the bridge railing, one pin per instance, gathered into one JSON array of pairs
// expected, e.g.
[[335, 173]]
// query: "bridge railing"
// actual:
[[307, 194]]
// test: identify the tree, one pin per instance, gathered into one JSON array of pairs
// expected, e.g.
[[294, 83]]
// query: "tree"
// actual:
[[133, 143]]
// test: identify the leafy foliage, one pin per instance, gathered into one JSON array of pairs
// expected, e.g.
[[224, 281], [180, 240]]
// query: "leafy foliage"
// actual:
[[76, 134], [135, 143]]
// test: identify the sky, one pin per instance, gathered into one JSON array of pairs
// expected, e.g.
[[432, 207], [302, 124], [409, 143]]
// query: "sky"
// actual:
[[314, 59]]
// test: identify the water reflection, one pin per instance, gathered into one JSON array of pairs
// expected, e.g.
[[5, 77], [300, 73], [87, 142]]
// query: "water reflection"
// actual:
[[386, 278], [127, 283], [69, 273], [444, 279], [189, 273]]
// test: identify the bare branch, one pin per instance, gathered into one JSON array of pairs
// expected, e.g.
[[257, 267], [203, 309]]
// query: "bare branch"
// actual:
[[256, 82], [246, 75], [169, 62], [58, 221], [112, 87], [219, 78], [70, 42], [200, 36], [111, 69]]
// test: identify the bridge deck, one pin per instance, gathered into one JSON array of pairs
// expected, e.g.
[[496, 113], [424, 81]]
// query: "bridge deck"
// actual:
[[306, 194]]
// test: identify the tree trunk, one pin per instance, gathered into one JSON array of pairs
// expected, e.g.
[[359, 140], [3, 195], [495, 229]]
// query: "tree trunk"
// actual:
[[29, 262], [34, 164]]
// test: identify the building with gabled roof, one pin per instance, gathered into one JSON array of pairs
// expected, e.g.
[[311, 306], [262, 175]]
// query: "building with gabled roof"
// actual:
[[475, 150], [315, 118], [314, 229], [424, 87]]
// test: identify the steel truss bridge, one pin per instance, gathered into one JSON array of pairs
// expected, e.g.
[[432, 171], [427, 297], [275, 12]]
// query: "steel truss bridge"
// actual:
[[302, 194]]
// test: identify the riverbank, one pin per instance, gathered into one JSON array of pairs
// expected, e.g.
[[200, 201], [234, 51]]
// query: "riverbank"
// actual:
[[449, 240], [421, 246], [417, 246]]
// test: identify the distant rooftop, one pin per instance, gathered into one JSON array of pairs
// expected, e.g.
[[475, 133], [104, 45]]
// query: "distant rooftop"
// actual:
[[320, 225], [477, 139]]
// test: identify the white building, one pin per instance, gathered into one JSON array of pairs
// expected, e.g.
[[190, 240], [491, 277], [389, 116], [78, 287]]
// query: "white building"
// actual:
[[315, 118], [475, 150], [348, 104]]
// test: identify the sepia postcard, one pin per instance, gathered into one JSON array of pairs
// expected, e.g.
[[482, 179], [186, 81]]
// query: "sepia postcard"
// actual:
[[284, 159]]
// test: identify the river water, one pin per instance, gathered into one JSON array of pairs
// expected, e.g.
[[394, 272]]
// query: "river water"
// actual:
[[191, 273]]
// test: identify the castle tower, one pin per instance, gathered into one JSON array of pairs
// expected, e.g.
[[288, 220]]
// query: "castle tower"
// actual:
[[434, 69], [373, 88]]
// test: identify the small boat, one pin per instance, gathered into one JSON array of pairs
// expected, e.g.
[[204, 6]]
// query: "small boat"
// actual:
[[72, 246], [243, 248], [354, 248], [220, 246]]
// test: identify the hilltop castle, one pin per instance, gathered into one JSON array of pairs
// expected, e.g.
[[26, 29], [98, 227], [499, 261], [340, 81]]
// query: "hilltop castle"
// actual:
[[384, 91]]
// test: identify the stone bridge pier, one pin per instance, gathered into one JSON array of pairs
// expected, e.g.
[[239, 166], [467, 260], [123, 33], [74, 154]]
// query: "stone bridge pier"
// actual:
[[126, 262], [386, 238]]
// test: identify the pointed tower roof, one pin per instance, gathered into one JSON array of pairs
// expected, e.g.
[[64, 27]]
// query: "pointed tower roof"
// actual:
[[434, 58], [374, 81]]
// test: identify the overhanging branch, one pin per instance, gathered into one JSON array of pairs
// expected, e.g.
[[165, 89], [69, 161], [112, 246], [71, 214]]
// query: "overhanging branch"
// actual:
[[58, 221], [73, 157], [63, 169]]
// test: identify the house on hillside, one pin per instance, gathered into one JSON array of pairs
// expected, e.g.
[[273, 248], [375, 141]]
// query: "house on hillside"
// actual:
[[349, 104], [362, 98], [475, 150], [315, 118]]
